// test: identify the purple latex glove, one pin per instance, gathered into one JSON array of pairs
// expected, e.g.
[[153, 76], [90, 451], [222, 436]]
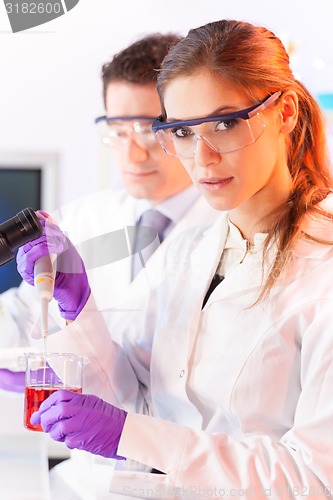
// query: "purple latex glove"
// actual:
[[82, 421], [71, 289], [12, 381], [15, 381]]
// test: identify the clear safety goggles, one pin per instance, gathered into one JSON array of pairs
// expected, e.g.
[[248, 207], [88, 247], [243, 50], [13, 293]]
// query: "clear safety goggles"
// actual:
[[116, 131], [223, 133]]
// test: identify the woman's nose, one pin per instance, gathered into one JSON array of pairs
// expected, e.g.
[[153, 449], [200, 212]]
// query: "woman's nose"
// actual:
[[205, 152]]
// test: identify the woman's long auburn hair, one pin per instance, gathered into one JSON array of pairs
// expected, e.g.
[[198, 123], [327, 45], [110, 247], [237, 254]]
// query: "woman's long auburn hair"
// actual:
[[255, 60]]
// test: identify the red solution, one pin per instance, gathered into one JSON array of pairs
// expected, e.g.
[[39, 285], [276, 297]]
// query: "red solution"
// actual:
[[34, 396]]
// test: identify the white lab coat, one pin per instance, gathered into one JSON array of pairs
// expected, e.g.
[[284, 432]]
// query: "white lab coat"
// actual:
[[84, 219], [240, 392]]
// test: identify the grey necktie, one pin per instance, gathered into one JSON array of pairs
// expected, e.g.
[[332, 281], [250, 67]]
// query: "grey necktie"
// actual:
[[149, 234]]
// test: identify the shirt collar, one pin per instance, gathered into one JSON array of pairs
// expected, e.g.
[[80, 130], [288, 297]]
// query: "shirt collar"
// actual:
[[235, 239], [174, 207]]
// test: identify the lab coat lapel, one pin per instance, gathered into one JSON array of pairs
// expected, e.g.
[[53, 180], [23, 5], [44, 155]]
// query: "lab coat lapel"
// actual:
[[178, 332], [204, 261], [246, 278], [222, 321], [242, 285], [205, 258]]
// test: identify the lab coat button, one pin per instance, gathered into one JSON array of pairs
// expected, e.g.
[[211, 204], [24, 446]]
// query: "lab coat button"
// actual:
[[182, 373]]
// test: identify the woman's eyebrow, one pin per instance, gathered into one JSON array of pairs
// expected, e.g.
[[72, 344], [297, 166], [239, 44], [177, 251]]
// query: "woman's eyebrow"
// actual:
[[219, 111]]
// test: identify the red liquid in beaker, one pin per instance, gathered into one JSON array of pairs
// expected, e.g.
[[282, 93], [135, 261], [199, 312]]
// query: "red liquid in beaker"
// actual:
[[34, 396]]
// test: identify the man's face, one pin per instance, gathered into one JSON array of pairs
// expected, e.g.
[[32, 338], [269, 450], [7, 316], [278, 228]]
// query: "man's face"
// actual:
[[146, 170]]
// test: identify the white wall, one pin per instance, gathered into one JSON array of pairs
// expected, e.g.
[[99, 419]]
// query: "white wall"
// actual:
[[50, 88]]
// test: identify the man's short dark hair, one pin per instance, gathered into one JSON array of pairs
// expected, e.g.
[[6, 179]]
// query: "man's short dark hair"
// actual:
[[139, 62]]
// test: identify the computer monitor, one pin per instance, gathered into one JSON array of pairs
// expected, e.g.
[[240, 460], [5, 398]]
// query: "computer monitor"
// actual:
[[26, 180]]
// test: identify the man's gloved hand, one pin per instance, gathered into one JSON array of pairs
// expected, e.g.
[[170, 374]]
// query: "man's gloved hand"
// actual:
[[82, 421], [12, 381], [71, 289]]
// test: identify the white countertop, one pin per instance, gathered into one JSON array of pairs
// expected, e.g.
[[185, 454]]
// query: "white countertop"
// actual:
[[24, 454]]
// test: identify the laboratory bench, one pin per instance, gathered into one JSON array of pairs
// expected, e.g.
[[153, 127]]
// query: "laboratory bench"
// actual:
[[25, 456]]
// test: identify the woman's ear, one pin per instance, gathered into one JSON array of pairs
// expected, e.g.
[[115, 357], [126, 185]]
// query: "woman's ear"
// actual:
[[288, 111]]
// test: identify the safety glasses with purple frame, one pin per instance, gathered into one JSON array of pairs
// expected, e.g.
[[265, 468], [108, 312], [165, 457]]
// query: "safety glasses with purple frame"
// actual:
[[223, 133]]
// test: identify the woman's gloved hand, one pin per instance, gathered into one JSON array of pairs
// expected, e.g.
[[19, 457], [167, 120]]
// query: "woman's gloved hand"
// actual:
[[12, 381], [82, 421], [71, 289]]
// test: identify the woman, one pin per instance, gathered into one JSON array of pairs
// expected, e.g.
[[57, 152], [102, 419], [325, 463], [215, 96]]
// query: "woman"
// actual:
[[231, 353]]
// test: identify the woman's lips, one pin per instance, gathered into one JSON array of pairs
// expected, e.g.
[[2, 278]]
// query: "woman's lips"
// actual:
[[214, 183]]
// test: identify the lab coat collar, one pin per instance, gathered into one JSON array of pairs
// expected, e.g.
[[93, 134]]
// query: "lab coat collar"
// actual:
[[251, 278], [243, 277]]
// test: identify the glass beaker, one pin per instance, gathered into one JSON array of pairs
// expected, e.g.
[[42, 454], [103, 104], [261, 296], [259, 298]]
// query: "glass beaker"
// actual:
[[46, 373]]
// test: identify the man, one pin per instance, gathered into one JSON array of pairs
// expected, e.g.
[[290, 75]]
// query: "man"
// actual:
[[99, 224], [150, 177]]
